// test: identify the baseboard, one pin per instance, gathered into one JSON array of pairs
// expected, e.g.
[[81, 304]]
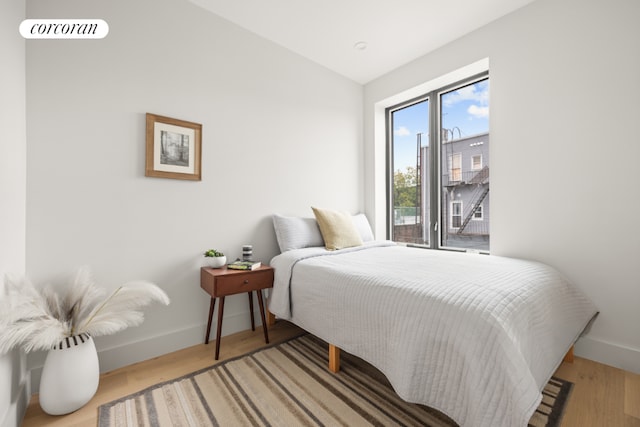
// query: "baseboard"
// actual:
[[16, 410], [14, 389], [608, 353], [127, 354]]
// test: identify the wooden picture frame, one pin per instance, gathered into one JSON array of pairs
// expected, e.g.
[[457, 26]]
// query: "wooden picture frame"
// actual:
[[173, 148]]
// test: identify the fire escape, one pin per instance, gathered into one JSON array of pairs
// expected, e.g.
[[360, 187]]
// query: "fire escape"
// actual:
[[479, 179]]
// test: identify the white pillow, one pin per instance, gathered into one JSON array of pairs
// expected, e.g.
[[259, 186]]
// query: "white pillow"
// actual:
[[295, 232], [364, 228]]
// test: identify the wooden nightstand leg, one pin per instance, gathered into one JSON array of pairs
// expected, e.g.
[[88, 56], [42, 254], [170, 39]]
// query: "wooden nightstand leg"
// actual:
[[253, 322], [212, 306], [219, 328], [264, 321]]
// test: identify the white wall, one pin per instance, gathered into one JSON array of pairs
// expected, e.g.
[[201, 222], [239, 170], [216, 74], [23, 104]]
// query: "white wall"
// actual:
[[280, 133], [14, 388], [564, 150]]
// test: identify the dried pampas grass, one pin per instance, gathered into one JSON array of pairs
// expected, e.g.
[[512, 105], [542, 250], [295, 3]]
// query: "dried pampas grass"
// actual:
[[37, 319]]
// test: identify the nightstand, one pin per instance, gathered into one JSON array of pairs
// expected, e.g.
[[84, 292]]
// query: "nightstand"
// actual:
[[221, 282]]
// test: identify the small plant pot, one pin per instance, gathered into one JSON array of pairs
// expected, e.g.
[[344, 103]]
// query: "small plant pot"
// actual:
[[217, 261]]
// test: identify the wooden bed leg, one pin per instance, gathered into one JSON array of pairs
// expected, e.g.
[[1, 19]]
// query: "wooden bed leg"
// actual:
[[271, 318], [334, 358], [569, 356]]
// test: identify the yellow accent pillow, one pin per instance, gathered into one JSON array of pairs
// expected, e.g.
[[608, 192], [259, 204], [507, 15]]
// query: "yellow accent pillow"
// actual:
[[337, 228]]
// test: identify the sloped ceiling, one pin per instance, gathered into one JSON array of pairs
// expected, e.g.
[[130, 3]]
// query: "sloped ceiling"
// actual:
[[329, 31]]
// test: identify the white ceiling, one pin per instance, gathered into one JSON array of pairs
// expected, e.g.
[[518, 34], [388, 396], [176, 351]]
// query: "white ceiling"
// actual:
[[396, 31]]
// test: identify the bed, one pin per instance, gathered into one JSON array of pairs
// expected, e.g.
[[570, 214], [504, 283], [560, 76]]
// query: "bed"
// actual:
[[474, 336]]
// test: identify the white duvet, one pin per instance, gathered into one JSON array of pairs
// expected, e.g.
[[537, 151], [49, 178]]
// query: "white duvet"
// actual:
[[474, 336]]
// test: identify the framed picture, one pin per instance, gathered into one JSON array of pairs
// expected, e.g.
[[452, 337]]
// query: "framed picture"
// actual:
[[173, 148]]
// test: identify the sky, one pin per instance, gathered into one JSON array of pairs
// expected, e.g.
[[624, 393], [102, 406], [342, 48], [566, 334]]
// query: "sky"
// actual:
[[465, 112]]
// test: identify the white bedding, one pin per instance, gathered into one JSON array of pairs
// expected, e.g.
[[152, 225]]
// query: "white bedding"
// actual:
[[474, 336]]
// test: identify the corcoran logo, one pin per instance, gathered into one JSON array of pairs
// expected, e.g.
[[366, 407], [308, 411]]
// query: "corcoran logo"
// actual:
[[64, 28]]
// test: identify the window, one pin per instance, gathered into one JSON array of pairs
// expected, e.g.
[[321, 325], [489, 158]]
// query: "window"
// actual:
[[456, 215], [477, 215], [455, 167], [476, 162], [438, 167]]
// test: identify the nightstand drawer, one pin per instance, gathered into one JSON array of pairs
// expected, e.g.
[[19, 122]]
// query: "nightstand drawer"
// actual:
[[243, 282]]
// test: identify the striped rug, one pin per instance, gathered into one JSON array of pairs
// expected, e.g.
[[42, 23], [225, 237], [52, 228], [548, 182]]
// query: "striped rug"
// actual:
[[288, 384]]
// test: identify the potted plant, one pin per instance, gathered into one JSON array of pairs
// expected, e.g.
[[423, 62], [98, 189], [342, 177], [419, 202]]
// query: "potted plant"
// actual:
[[215, 259], [64, 322]]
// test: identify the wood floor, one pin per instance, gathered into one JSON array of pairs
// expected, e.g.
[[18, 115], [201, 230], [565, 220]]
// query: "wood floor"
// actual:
[[602, 396]]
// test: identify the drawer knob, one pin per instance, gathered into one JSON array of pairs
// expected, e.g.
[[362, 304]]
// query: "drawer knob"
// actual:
[[246, 281]]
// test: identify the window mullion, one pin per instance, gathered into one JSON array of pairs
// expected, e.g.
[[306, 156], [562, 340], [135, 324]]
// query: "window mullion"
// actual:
[[434, 172]]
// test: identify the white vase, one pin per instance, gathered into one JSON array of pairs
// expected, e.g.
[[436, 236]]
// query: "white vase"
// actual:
[[216, 261], [70, 375]]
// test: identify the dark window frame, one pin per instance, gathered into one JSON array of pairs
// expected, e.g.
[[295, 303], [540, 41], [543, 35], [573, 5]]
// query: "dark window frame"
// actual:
[[434, 169]]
